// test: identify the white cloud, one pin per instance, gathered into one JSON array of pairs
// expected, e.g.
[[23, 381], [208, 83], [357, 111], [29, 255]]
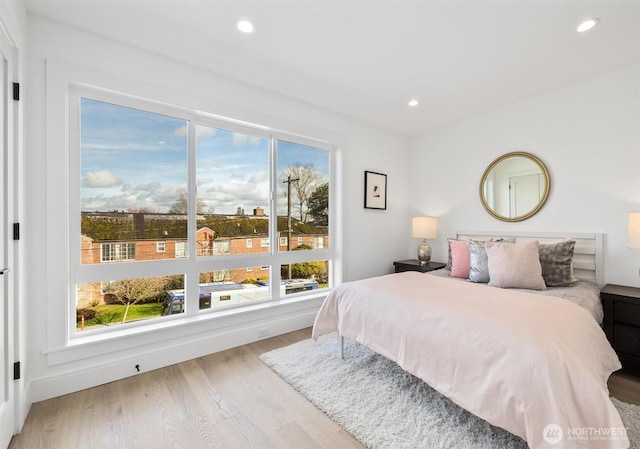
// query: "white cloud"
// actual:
[[242, 139], [153, 196], [222, 197], [206, 131], [226, 196], [182, 131], [201, 130], [100, 178]]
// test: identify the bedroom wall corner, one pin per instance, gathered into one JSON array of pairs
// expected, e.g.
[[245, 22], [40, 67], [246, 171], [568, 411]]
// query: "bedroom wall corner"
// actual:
[[588, 135]]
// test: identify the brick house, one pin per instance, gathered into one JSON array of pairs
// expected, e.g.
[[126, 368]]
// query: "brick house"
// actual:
[[168, 241]]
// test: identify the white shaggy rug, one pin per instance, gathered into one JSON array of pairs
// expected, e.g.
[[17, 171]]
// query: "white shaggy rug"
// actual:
[[384, 407]]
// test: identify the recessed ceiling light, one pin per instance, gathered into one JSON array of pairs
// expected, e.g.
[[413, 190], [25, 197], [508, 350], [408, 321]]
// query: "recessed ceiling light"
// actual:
[[587, 25], [413, 103], [245, 26]]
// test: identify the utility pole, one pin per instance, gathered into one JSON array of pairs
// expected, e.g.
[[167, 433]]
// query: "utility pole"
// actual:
[[288, 182]]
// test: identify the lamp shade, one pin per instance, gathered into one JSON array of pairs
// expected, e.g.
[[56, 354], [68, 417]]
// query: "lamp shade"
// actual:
[[424, 227], [633, 230]]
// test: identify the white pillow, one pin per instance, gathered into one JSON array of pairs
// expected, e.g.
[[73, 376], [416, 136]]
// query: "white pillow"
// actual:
[[515, 265]]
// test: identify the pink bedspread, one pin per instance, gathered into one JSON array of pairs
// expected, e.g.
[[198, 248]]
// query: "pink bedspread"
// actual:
[[527, 363]]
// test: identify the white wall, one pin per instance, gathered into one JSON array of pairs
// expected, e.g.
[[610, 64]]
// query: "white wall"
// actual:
[[588, 136], [370, 238]]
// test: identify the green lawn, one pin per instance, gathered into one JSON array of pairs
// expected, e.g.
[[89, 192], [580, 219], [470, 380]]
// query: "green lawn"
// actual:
[[112, 314]]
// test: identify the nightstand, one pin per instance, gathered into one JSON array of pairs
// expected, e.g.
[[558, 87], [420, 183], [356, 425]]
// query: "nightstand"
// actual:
[[414, 265], [622, 322]]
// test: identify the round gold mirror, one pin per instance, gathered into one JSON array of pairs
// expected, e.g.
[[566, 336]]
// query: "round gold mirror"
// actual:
[[515, 186]]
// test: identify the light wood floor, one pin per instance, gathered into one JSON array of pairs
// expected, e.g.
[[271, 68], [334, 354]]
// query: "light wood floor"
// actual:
[[224, 400]]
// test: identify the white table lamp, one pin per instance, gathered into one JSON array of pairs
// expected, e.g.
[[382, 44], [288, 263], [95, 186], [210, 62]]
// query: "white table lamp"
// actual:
[[424, 228], [633, 230]]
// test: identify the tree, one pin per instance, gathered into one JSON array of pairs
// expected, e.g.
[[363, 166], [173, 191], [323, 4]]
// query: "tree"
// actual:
[[215, 276], [132, 291], [308, 179], [181, 206], [306, 270], [319, 205]]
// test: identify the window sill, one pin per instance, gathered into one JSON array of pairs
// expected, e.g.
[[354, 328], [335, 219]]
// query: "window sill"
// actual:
[[178, 331]]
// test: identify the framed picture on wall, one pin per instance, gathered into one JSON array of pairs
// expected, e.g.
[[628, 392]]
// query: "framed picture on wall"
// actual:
[[375, 190]]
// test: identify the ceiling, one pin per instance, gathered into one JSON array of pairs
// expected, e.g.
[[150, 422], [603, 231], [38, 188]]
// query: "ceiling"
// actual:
[[366, 59]]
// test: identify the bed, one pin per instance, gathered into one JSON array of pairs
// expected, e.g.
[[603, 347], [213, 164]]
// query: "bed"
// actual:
[[534, 363]]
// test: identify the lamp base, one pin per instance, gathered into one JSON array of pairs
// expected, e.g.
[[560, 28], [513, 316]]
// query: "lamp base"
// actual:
[[424, 252]]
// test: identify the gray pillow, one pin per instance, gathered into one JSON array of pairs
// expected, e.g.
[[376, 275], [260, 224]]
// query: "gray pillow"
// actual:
[[478, 260], [555, 259]]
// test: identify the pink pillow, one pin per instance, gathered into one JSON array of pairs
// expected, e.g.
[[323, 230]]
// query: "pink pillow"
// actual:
[[515, 265], [459, 258]]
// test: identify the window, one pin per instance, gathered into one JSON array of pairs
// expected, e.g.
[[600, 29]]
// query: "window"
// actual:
[[117, 252], [181, 249], [138, 165], [221, 247], [105, 286]]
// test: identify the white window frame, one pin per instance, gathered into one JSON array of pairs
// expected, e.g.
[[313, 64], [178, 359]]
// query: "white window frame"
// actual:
[[182, 249], [221, 246], [265, 242], [65, 84], [119, 252], [161, 247], [249, 243]]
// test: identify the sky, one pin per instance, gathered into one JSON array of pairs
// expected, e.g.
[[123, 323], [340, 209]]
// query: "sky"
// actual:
[[132, 160]]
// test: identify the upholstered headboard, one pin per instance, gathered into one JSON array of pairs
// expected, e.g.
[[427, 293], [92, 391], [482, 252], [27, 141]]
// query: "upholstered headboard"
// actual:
[[588, 263]]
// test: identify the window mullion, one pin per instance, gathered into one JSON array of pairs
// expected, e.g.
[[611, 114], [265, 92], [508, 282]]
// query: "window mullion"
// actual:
[[274, 275], [335, 231], [192, 289], [74, 256]]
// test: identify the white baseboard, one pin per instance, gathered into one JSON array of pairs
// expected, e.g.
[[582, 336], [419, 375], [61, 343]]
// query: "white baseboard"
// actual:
[[119, 366], [22, 409]]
